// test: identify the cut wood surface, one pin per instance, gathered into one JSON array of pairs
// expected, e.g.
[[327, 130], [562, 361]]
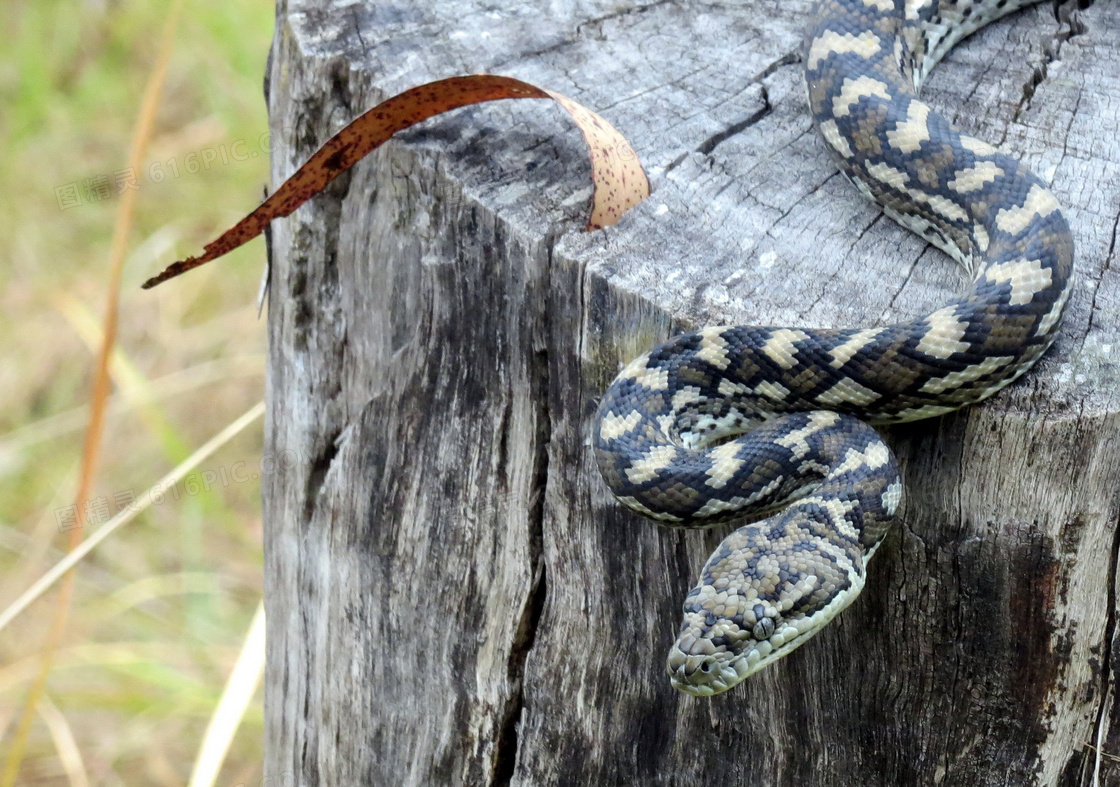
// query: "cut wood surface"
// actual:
[[453, 596]]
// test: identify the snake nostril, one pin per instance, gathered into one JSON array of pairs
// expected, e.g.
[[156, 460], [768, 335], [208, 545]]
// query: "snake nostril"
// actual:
[[705, 667]]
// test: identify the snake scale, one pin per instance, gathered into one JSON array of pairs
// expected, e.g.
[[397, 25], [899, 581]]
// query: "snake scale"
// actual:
[[743, 421]]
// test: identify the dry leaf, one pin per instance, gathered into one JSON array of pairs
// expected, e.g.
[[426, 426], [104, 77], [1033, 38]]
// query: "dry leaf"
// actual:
[[619, 181]]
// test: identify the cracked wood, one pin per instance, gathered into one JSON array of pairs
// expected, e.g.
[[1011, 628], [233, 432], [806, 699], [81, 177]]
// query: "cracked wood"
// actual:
[[452, 595]]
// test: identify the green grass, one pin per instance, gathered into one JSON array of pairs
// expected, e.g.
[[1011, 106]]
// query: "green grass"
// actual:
[[161, 609]]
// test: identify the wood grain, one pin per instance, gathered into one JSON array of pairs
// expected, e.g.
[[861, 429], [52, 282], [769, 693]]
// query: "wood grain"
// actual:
[[452, 595]]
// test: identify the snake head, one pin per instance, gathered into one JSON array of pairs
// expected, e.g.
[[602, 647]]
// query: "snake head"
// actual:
[[714, 652], [761, 595]]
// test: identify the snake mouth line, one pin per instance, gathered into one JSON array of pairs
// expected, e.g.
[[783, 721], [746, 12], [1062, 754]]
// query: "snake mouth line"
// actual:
[[728, 675], [739, 668]]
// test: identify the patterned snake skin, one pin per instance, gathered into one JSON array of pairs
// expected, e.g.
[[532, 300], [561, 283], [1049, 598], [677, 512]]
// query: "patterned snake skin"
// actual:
[[788, 395]]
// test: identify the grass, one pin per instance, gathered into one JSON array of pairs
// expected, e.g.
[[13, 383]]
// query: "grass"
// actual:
[[161, 608]]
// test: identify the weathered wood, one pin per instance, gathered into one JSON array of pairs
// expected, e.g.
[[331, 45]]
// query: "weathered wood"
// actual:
[[452, 595]]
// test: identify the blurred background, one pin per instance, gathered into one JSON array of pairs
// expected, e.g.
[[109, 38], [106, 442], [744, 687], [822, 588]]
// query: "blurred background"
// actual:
[[161, 609]]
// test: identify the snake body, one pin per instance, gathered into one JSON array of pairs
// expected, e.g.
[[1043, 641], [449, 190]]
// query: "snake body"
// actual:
[[743, 421]]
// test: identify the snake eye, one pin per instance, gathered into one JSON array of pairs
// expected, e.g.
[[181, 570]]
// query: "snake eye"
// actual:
[[763, 628]]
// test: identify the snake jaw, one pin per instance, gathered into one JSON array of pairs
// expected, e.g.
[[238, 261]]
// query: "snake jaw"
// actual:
[[714, 653], [706, 674], [714, 673], [703, 676]]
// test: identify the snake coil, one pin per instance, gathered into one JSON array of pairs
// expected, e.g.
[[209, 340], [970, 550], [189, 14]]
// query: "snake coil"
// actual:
[[734, 421]]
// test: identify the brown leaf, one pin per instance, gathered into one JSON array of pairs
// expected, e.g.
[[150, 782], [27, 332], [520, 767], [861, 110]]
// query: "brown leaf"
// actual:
[[617, 175]]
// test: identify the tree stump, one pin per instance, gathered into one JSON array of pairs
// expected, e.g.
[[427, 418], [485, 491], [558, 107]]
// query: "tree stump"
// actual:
[[453, 597]]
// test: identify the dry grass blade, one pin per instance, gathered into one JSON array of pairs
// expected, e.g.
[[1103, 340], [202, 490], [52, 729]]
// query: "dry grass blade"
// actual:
[[620, 183], [64, 743], [156, 587], [92, 446], [1103, 754], [126, 376], [238, 693], [1099, 756], [38, 544], [126, 656], [138, 506], [173, 384]]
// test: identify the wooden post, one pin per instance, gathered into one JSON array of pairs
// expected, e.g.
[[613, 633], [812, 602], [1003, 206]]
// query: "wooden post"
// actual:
[[452, 595]]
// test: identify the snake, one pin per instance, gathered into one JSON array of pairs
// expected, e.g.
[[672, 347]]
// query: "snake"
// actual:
[[774, 426]]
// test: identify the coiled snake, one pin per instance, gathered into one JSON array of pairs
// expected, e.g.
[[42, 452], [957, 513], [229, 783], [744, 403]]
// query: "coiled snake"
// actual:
[[789, 397]]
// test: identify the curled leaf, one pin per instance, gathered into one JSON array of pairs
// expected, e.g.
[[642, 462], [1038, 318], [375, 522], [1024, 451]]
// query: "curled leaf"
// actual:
[[619, 181]]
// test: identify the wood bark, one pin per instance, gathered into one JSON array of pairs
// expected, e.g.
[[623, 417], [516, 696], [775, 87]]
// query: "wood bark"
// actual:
[[453, 597]]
